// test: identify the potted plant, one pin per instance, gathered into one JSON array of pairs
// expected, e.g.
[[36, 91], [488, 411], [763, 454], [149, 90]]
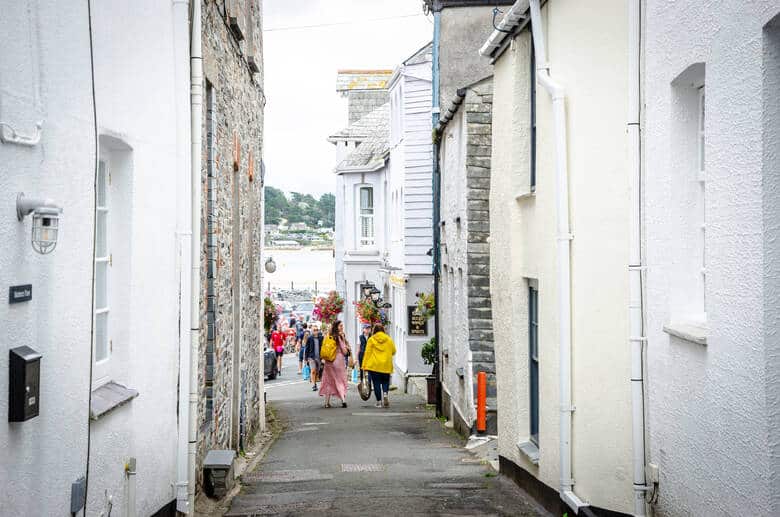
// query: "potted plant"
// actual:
[[428, 353]]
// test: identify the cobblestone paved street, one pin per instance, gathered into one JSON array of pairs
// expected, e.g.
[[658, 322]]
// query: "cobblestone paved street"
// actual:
[[367, 461]]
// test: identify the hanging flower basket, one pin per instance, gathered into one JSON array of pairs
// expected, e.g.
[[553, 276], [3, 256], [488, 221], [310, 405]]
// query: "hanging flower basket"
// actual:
[[426, 305], [368, 313], [328, 308]]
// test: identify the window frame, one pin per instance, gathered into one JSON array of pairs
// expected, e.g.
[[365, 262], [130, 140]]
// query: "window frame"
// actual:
[[533, 362], [366, 241], [101, 355]]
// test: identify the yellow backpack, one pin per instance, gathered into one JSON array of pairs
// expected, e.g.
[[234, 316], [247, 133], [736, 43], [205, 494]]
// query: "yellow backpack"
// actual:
[[328, 350]]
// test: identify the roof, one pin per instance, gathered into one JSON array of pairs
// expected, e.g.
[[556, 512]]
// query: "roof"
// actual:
[[513, 18], [420, 56], [460, 94], [423, 55], [438, 5], [352, 80], [372, 152], [363, 127]]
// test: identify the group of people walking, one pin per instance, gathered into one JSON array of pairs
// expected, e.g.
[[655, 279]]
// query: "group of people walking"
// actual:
[[375, 357]]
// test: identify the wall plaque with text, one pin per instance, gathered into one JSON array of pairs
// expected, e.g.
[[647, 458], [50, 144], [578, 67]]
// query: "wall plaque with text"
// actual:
[[20, 293], [418, 325]]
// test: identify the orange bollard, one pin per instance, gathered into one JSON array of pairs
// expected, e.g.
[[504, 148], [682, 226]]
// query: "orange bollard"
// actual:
[[481, 402]]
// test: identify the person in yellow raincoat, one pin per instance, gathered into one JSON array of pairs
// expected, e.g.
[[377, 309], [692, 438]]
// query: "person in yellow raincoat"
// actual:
[[378, 362]]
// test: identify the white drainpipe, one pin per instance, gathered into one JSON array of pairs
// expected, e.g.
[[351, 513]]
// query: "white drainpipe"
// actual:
[[196, 114], [558, 96], [635, 265], [181, 40]]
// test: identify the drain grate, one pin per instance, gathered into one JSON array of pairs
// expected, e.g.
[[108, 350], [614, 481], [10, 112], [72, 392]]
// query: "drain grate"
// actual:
[[364, 467]]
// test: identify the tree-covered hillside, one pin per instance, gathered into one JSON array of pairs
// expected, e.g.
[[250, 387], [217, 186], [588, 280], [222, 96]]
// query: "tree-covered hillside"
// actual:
[[301, 208]]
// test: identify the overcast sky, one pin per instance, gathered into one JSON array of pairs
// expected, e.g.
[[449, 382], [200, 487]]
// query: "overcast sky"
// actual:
[[300, 76]]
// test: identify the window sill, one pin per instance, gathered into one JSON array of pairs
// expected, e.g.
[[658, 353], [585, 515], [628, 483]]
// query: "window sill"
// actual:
[[530, 451], [693, 331], [108, 397]]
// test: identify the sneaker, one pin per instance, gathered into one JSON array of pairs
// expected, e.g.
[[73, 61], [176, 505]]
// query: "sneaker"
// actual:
[[378, 404], [314, 388], [385, 400], [343, 404]]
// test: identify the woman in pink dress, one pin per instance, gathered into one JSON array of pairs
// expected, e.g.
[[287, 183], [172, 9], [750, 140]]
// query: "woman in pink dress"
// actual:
[[334, 373]]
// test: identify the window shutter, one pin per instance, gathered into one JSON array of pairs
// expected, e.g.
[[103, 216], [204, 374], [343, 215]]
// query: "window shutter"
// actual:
[[237, 18], [251, 50]]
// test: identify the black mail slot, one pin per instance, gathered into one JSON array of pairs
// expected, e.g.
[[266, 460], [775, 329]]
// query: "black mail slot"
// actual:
[[24, 387]]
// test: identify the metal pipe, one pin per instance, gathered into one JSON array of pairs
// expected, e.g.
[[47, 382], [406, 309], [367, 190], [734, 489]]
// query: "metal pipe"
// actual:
[[635, 265], [130, 471], [181, 40], [481, 402], [564, 237], [196, 116], [436, 203]]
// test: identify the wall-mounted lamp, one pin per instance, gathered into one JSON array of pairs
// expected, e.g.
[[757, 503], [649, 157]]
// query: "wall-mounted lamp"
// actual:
[[270, 265], [46, 221]]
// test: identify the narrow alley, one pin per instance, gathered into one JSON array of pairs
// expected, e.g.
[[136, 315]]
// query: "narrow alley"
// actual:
[[367, 461]]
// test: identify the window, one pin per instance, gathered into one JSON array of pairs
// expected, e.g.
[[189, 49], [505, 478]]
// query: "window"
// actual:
[[366, 217], [687, 204], [532, 87], [533, 360], [102, 341]]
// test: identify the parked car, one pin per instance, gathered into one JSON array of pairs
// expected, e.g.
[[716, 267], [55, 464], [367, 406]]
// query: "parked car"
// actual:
[[269, 360]]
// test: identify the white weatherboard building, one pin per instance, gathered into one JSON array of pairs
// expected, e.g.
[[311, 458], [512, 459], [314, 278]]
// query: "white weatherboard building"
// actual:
[[409, 209], [711, 81], [361, 190], [560, 237]]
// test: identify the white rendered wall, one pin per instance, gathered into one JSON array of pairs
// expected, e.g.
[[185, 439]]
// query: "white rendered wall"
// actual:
[[136, 99], [454, 331], [587, 54], [46, 55], [713, 409]]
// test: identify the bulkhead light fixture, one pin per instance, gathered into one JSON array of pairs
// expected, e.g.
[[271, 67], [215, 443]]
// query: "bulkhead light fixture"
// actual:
[[46, 221], [270, 265]]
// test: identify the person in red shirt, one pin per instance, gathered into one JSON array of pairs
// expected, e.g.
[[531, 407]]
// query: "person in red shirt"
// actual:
[[277, 341]]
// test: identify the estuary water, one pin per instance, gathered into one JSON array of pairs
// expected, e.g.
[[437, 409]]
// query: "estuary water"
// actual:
[[302, 269]]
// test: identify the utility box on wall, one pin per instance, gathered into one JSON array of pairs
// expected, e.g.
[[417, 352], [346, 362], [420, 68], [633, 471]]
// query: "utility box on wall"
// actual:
[[24, 384]]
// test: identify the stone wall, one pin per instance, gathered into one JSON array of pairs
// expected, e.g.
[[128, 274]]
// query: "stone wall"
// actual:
[[466, 324], [479, 111], [230, 373], [363, 102]]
